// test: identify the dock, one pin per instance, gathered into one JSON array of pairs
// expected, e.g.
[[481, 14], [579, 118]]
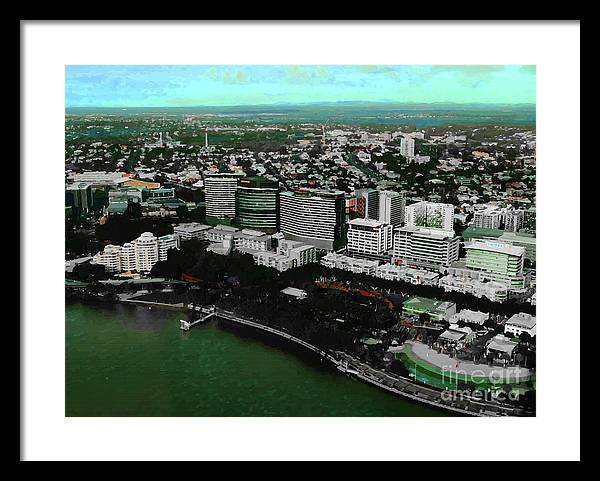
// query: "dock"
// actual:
[[205, 314]]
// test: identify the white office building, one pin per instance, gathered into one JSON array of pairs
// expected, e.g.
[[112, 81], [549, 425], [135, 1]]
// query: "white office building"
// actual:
[[407, 146], [393, 272], [351, 264], [128, 262], [100, 178], [488, 218], [391, 207], [316, 217], [514, 219], [110, 258], [251, 240], [494, 291], [367, 236], [165, 243], [431, 215], [191, 230], [421, 247], [220, 190], [146, 251], [221, 233], [140, 255], [289, 254]]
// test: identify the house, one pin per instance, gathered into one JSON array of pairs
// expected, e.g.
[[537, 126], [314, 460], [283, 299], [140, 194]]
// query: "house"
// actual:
[[456, 337], [520, 323], [471, 317], [501, 347], [437, 310]]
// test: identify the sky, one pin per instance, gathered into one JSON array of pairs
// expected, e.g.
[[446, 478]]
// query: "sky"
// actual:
[[220, 85]]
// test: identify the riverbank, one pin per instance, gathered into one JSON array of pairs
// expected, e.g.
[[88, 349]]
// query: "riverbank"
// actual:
[[400, 386], [125, 360]]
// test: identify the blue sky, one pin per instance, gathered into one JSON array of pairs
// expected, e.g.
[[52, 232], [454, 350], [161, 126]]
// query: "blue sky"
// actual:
[[198, 85]]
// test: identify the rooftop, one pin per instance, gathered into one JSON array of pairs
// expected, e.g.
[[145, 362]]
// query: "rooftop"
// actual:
[[452, 335], [494, 246], [522, 319], [426, 303], [474, 232], [191, 227], [502, 343], [430, 232], [365, 223]]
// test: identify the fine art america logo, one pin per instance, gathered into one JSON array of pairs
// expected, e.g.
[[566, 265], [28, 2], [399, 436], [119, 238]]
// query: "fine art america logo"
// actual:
[[479, 378]]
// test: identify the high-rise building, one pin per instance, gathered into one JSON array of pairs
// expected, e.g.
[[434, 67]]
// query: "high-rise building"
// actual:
[[317, 217], [422, 247], [392, 207], [138, 255], [128, 262], [488, 218], [407, 146], [289, 254], [513, 219], [146, 252], [110, 258], [165, 243], [257, 204], [368, 236], [220, 190], [430, 215], [529, 220], [498, 261], [79, 195], [367, 203], [191, 230]]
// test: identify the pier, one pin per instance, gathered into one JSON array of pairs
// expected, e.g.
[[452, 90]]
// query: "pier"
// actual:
[[205, 314]]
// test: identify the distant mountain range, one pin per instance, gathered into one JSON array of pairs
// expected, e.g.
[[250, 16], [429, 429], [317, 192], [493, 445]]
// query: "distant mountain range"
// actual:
[[341, 103]]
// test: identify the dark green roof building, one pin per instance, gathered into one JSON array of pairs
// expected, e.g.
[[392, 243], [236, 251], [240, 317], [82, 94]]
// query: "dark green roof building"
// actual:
[[257, 204]]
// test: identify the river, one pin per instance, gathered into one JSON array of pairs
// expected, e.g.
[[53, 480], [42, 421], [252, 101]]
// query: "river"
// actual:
[[133, 361]]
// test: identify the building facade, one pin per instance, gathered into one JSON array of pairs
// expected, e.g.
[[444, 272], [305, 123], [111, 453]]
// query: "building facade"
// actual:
[[351, 264], [367, 236], [315, 217], [407, 147], [392, 207], [520, 323], [431, 215], [191, 230], [140, 255], [220, 194], [257, 204], [430, 248], [289, 254], [498, 261]]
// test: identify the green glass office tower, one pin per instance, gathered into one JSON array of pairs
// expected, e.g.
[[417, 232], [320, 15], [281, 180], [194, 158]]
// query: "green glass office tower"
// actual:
[[257, 204]]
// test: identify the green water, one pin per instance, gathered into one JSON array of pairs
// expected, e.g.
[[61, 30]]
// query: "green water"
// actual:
[[132, 361]]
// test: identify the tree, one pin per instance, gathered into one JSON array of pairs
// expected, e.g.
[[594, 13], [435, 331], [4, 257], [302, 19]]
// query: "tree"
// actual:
[[87, 272]]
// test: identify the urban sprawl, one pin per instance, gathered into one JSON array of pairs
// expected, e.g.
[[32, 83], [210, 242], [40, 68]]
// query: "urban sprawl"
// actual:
[[402, 251]]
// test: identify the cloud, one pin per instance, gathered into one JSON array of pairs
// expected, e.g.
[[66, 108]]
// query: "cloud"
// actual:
[[228, 76]]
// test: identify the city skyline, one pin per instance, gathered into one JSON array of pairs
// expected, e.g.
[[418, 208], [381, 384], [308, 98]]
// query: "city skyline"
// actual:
[[129, 86]]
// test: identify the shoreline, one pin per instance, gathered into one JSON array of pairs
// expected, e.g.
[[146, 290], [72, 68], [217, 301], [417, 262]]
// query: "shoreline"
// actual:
[[352, 367]]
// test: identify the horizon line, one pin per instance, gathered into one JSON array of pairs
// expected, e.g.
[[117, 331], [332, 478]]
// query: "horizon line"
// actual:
[[388, 102]]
